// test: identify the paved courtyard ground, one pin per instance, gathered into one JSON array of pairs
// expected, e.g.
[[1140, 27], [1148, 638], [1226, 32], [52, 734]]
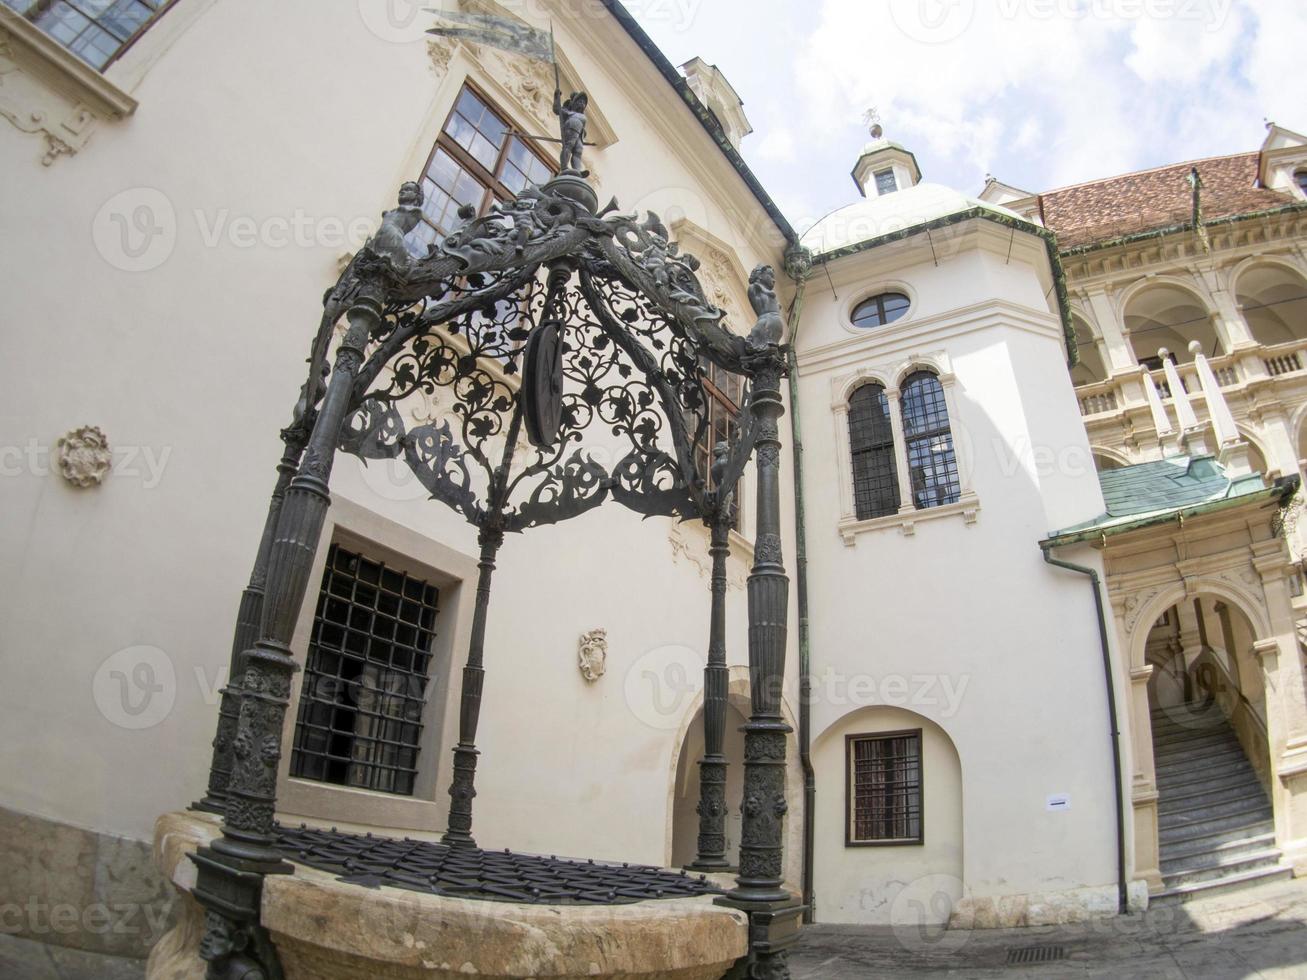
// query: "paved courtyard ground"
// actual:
[[1256, 933], [1260, 932]]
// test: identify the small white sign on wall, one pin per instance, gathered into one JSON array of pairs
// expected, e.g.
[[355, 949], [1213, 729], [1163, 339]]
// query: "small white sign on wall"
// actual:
[[1058, 801]]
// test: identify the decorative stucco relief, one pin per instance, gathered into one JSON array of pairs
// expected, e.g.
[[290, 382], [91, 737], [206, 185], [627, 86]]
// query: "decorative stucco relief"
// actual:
[[1134, 606], [84, 457], [48, 92], [592, 654], [693, 548]]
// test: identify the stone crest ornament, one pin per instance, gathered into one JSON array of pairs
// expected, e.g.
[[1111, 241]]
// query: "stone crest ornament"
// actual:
[[593, 654], [84, 456]]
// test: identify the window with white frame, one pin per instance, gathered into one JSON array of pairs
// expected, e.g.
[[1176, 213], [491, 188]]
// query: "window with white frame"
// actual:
[[871, 449], [932, 461], [900, 448], [97, 31]]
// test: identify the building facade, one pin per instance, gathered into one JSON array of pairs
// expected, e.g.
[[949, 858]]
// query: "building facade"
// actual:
[[968, 746]]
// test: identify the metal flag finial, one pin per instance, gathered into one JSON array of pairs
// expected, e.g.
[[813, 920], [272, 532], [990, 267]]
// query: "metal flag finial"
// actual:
[[497, 32]]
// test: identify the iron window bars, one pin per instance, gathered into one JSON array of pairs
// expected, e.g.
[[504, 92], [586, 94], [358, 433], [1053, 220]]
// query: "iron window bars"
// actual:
[[871, 442], [884, 804], [364, 690], [97, 31]]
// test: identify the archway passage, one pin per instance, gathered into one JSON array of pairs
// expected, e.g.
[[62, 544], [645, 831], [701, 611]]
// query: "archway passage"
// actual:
[[1210, 748], [1167, 315], [685, 816], [1273, 300]]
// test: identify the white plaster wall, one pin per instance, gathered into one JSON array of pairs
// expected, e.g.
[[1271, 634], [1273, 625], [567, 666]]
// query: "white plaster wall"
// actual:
[[261, 111], [885, 885], [963, 625]]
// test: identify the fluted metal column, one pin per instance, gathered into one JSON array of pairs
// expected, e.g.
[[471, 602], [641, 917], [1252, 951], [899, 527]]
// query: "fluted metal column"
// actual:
[[249, 618], [713, 766], [231, 870], [773, 912]]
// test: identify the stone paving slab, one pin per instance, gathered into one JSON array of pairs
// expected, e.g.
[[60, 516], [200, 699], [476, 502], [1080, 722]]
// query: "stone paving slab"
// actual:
[[1257, 933]]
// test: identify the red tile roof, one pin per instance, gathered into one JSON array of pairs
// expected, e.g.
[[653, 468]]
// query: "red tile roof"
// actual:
[[1102, 210]]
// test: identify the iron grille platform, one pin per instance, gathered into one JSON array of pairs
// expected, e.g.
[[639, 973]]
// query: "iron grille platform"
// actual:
[[469, 872]]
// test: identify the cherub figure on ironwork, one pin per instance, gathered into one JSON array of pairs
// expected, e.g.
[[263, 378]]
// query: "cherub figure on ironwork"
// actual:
[[521, 212], [389, 241], [769, 328], [572, 126]]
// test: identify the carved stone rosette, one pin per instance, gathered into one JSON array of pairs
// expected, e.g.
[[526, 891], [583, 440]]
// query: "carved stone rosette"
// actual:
[[84, 456]]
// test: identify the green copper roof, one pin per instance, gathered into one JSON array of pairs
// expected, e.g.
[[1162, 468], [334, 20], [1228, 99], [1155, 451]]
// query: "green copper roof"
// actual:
[[1150, 493]]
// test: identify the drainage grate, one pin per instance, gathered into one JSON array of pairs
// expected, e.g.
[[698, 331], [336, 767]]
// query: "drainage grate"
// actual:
[[1035, 954]]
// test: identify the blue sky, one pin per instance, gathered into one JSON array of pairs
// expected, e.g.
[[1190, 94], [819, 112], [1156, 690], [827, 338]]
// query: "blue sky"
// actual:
[[1040, 93]]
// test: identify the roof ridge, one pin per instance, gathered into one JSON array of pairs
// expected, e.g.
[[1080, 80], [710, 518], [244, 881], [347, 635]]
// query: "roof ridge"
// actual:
[[1149, 170]]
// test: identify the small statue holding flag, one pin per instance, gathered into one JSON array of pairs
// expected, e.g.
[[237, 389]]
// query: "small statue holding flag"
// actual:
[[514, 36]]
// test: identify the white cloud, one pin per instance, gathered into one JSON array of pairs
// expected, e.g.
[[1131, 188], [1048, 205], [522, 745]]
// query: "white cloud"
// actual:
[[777, 145]]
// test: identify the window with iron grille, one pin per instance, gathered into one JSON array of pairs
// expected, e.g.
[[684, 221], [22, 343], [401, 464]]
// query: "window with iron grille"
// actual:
[[478, 159], [885, 182], [364, 690], [884, 789], [97, 31], [871, 445], [932, 462]]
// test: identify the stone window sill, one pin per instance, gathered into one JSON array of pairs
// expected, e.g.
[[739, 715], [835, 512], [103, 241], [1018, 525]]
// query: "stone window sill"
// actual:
[[80, 80], [968, 507]]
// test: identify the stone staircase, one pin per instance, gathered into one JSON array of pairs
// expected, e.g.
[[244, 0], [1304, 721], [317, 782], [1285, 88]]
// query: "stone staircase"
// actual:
[[1214, 819]]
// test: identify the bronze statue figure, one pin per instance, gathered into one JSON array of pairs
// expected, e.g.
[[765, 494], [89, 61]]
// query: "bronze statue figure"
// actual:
[[770, 327], [571, 117]]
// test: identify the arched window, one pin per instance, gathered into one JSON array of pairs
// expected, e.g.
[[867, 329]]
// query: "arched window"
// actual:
[[871, 443], [1301, 178], [932, 463], [880, 310]]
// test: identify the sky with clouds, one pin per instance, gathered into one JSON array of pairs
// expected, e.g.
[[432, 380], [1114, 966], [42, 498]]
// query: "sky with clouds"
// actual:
[[1040, 93]]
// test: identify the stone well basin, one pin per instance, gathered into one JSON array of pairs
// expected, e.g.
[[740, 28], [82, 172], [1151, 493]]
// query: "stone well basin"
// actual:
[[327, 929]]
